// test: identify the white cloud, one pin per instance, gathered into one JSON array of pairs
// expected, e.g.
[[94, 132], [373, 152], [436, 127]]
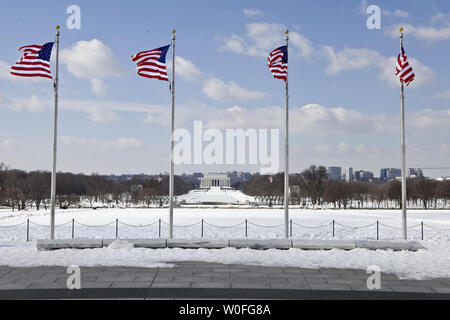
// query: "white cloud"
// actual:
[[260, 38], [322, 148], [99, 87], [397, 13], [429, 34], [97, 111], [347, 149], [214, 88], [32, 104], [252, 12], [350, 59], [443, 95], [433, 120], [92, 60], [218, 90], [121, 143], [101, 114], [317, 120], [312, 119], [9, 144], [188, 71], [128, 143], [441, 18], [363, 5], [357, 59], [4, 70]]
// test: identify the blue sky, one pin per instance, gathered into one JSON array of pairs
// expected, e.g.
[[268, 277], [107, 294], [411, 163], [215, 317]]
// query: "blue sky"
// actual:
[[344, 95]]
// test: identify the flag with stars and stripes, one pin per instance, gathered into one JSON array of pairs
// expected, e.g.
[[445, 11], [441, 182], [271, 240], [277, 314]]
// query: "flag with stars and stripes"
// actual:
[[278, 63], [404, 70], [35, 62], [152, 63]]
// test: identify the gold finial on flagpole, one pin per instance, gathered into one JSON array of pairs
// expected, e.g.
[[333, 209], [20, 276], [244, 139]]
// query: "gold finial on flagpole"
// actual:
[[58, 27], [287, 32], [401, 29], [174, 31]]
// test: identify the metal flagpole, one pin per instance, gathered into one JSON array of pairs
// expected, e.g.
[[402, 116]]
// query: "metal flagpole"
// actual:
[[286, 173], [404, 211], [172, 167], [55, 142]]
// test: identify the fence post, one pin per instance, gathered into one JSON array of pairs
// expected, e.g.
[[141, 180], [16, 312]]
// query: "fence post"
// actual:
[[28, 230], [334, 223], [202, 228], [246, 228], [378, 230], [422, 231], [291, 227], [159, 232], [73, 228], [117, 228]]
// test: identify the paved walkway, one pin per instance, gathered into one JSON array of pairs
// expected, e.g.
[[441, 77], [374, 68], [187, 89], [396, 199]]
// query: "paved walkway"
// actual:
[[190, 279]]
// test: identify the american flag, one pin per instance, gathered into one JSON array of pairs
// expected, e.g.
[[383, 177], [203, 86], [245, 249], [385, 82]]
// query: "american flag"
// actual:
[[404, 70], [278, 63], [35, 62], [152, 63]]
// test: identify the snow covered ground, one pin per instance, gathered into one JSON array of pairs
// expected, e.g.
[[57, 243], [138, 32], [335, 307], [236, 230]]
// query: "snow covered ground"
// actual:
[[225, 223], [143, 223]]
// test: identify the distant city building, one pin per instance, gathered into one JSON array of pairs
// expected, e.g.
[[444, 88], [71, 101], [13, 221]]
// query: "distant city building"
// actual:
[[335, 173], [348, 175], [197, 175], [388, 174], [415, 174], [363, 176], [383, 174]]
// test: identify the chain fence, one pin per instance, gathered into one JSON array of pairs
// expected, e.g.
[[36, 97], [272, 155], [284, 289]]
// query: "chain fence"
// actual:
[[159, 228]]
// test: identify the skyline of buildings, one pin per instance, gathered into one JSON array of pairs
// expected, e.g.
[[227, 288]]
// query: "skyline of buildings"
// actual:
[[348, 174]]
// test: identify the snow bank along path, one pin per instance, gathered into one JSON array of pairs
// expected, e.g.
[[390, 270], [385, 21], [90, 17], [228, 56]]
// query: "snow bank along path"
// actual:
[[434, 262], [226, 224]]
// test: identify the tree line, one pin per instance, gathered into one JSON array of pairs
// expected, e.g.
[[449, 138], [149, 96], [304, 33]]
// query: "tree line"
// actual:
[[20, 189], [317, 189]]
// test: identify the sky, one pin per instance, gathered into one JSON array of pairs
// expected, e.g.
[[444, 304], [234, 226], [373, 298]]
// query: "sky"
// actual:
[[344, 95]]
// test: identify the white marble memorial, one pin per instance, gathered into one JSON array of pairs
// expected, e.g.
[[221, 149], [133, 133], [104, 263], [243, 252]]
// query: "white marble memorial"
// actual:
[[215, 189]]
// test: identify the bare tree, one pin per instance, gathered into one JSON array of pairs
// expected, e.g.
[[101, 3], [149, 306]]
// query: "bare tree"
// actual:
[[378, 193], [148, 195], [314, 181], [426, 191], [18, 190], [3, 178], [360, 192], [394, 192], [39, 184], [444, 191]]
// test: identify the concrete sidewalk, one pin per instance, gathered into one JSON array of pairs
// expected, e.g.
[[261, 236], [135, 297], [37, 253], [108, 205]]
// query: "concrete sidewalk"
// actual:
[[190, 279]]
